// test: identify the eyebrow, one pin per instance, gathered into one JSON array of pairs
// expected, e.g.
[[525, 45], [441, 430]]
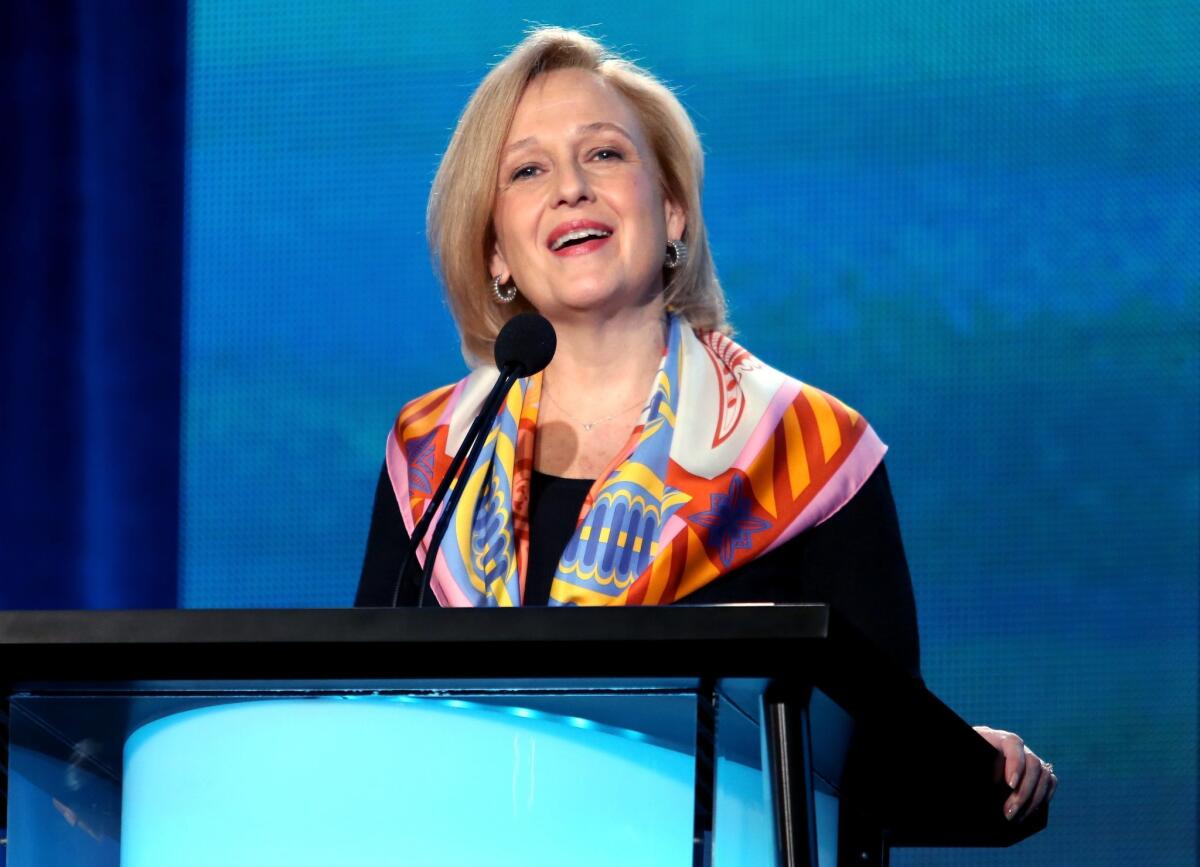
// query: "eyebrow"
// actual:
[[595, 126]]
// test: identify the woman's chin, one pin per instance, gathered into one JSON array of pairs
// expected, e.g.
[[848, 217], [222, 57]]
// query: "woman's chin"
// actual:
[[596, 311], [584, 298]]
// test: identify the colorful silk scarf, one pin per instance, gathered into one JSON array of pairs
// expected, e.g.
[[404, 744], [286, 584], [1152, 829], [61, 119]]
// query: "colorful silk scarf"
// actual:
[[729, 459]]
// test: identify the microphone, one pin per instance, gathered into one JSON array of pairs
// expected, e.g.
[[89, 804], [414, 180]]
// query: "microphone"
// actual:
[[524, 346], [527, 342]]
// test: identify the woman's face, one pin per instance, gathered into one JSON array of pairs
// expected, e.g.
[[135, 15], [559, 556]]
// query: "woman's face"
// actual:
[[581, 218]]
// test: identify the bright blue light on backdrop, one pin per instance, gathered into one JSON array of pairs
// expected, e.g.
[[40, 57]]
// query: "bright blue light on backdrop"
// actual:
[[975, 222]]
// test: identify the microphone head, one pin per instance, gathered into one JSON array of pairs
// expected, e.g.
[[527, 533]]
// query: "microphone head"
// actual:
[[526, 344]]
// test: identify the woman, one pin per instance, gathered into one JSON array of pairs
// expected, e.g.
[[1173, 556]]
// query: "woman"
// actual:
[[655, 460]]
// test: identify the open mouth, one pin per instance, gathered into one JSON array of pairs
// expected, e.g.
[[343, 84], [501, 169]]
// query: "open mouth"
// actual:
[[578, 236]]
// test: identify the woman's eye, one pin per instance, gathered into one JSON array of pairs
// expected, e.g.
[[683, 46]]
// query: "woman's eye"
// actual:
[[607, 154], [524, 172]]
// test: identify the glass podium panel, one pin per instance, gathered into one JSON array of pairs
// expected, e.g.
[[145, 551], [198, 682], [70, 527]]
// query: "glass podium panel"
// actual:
[[389, 776], [743, 822]]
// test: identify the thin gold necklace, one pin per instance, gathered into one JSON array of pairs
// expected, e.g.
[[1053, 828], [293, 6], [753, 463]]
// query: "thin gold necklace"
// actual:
[[586, 425]]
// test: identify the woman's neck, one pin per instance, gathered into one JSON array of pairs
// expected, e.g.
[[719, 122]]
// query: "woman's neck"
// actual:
[[602, 365], [594, 390]]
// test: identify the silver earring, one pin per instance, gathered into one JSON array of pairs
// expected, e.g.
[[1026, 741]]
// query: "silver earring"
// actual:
[[503, 295], [677, 254]]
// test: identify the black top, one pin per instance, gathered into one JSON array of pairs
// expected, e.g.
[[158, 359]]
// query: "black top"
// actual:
[[854, 561], [554, 506]]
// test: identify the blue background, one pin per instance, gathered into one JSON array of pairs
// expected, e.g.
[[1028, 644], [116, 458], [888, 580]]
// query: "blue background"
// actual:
[[975, 222]]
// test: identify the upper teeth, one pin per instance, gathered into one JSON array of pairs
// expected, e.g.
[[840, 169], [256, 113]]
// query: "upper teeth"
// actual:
[[577, 235]]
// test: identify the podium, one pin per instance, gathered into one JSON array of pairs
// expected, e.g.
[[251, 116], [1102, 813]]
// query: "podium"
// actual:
[[722, 736]]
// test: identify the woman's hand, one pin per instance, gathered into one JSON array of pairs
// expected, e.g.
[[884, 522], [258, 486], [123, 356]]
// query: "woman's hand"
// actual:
[[1033, 781]]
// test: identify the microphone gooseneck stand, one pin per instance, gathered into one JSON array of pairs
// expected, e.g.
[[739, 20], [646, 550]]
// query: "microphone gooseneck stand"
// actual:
[[489, 412], [474, 433], [524, 346]]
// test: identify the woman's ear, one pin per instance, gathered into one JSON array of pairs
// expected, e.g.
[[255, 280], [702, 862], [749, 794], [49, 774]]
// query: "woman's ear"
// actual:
[[676, 218], [497, 266]]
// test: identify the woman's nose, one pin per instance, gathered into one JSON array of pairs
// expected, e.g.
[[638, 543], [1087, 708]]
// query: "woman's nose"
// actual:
[[573, 187]]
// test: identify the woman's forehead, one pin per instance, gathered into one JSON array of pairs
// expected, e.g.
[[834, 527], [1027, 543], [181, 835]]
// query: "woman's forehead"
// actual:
[[565, 100]]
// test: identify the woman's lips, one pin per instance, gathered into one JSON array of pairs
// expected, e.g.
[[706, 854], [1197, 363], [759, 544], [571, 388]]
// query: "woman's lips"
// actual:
[[573, 233], [582, 248]]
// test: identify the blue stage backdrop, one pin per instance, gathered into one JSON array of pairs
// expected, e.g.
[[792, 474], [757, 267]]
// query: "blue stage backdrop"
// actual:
[[976, 222]]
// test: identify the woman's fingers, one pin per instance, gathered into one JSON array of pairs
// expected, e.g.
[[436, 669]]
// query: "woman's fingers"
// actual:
[[1013, 749], [1033, 781], [1029, 781], [1043, 791], [1015, 764]]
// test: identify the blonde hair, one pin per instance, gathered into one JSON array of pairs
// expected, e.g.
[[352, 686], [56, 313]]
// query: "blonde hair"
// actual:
[[459, 217]]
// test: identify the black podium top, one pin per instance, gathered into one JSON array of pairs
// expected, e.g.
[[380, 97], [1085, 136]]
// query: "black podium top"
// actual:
[[741, 650], [129, 646]]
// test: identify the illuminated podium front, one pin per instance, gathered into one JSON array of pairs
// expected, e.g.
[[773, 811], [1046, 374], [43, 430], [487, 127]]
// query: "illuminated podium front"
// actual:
[[737, 736]]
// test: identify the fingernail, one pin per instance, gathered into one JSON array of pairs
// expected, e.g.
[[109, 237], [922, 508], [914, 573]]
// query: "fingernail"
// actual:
[[1010, 812], [1012, 780]]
